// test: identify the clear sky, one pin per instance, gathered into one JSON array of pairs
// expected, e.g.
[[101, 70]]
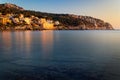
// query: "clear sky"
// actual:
[[107, 10]]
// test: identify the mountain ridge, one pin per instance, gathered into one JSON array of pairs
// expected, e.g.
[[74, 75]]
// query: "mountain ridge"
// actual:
[[69, 21]]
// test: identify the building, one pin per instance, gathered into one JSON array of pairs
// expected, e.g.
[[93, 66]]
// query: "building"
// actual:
[[4, 20], [42, 20], [57, 23], [46, 24], [27, 20], [21, 17], [8, 15], [16, 20], [0, 13]]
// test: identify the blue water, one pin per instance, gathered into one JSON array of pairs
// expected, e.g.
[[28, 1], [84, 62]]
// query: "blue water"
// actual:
[[60, 55]]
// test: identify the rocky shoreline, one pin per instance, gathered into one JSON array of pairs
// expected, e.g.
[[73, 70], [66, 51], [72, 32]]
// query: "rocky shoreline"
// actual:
[[25, 28]]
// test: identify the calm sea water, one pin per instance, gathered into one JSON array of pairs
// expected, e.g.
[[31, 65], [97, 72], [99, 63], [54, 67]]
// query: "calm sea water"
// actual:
[[60, 55]]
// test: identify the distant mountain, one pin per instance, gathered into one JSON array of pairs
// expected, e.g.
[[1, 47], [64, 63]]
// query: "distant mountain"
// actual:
[[69, 21]]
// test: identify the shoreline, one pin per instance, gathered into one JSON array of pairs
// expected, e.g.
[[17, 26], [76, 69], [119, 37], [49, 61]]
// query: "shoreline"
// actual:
[[55, 30]]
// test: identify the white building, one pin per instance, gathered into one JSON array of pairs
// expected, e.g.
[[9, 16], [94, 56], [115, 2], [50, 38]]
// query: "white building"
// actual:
[[56, 22]]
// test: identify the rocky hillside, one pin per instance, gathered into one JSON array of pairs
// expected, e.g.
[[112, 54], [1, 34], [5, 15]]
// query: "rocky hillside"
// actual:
[[10, 6], [67, 21]]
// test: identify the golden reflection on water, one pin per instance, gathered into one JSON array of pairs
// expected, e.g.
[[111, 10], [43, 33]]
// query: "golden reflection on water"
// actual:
[[19, 42], [23, 40], [47, 38], [28, 39], [6, 39]]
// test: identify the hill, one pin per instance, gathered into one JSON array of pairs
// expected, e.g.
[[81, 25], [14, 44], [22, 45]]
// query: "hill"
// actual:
[[65, 21]]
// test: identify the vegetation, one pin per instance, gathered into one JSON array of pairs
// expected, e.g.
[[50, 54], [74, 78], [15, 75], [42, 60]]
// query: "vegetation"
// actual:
[[65, 19]]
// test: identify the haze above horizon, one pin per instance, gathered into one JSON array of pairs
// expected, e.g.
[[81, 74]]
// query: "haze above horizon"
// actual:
[[107, 10]]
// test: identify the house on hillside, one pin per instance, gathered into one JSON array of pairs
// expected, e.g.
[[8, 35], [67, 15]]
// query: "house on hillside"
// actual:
[[47, 24], [4, 20], [27, 20], [21, 18]]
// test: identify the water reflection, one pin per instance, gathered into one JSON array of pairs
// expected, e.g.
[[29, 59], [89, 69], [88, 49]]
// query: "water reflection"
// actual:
[[28, 39], [47, 38], [19, 41], [23, 41], [66, 55], [6, 39]]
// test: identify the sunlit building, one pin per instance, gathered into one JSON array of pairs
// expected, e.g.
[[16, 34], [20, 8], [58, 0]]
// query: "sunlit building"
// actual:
[[21, 17], [4, 20], [42, 20], [47, 24], [27, 20], [16, 20], [56, 22]]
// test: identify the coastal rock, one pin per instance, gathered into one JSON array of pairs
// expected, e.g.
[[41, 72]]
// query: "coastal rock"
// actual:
[[90, 23]]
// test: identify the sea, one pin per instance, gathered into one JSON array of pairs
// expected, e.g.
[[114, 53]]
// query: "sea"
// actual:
[[60, 55]]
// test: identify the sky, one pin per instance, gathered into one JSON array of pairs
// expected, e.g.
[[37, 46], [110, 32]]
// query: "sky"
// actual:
[[107, 10]]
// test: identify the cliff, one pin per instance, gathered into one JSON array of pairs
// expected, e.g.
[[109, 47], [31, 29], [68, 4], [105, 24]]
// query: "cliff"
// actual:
[[59, 21]]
